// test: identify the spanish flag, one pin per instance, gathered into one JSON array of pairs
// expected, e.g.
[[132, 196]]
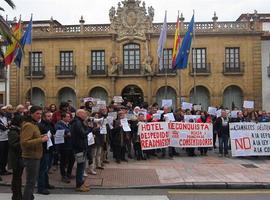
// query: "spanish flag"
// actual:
[[177, 41], [11, 49]]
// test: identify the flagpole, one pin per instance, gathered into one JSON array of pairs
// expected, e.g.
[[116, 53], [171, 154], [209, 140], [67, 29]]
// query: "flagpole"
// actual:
[[194, 68], [179, 77], [31, 73]]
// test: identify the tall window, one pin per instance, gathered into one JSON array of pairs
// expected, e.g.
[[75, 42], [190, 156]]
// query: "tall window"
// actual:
[[36, 61], [232, 58], [66, 60], [131, 58], [98, 62], [167, 60], [199, 59]]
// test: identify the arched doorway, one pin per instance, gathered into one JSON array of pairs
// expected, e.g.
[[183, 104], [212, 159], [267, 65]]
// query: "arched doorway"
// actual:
[[171, 94], [66, 94], [134, 94], [202, 97], [38, 96], [233, 97], [100, 93]]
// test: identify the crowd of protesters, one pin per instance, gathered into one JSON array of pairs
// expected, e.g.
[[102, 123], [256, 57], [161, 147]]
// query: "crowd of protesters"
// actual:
[[26, 132]]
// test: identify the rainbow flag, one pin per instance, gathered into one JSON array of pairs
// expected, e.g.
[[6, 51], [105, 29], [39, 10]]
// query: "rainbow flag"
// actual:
[[11, 49], [176, 44]]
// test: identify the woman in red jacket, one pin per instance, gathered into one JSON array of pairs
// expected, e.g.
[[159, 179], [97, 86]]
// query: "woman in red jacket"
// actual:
[[205, 118]]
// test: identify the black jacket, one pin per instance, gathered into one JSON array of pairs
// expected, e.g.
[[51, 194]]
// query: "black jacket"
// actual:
[[44, 127], [79, 132], [14, 151], [221, 129]]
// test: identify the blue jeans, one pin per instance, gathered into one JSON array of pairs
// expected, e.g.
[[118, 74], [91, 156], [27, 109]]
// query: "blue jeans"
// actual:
[[43, 178], [223, 144], [79, 174]]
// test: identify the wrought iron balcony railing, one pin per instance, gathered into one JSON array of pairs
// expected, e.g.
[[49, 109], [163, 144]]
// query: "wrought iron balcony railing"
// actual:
[[200, 69], [233, 68], [97, 70], [65, 71], [38, 72]]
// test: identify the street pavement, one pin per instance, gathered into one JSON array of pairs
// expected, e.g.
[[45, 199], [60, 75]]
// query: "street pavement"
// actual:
[[150, 194], [180, 172]]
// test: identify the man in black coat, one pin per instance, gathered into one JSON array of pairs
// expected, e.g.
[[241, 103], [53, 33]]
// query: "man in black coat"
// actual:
[[79, 132], [222, 126], [45, 126]]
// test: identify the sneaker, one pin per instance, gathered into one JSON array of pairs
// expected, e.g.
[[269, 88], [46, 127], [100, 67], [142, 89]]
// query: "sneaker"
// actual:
[[220, 155], [226, 155], [65, 180], [100, 168], [44, 192], [91, 171], [85, 174], [83, 188]]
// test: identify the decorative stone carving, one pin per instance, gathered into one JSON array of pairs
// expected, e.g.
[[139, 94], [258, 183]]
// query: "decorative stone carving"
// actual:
[[114, 63], [131, 20], [112, 13], [147, 64]]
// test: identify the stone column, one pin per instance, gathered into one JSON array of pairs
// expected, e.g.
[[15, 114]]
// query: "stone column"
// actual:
[[149, 90], [113, 79]]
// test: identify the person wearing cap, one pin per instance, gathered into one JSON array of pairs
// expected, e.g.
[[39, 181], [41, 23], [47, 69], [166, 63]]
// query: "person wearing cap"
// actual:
[[31, 144]]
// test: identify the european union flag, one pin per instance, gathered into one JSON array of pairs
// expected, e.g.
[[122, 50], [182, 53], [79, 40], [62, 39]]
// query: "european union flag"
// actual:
[[26, 39], [182, 57]]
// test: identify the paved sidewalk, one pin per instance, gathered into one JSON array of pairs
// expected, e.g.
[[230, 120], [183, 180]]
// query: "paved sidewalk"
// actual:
[[180, 172]]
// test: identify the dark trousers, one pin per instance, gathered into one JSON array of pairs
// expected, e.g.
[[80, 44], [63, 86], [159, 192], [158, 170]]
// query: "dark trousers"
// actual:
[[120, 152], [203, 150], [43, 177], [67, 160], [138, 150], [214, 138], [3, 155], [79, 174], [16, 182], [171, 151], [223, 144], [190, 151], [31, 168]]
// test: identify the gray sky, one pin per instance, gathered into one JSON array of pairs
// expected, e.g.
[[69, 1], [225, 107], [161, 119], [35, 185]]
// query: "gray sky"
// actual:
[[96, 11]]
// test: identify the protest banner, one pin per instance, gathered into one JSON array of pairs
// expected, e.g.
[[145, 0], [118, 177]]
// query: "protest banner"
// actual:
[[250, 139], [212, 111], [190, 134], [248, 104], [191, 118], [186, 106], [197, 107], [166, 102], [118, 99], [176, 134], [154, 135]]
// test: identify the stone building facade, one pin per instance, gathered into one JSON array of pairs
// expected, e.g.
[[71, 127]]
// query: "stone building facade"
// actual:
[[120, 58]]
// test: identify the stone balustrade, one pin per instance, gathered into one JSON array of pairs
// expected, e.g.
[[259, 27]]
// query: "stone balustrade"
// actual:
[[200, 27]]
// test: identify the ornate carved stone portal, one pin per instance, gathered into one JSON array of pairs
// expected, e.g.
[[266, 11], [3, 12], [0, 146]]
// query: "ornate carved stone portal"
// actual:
[[131, 20]]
